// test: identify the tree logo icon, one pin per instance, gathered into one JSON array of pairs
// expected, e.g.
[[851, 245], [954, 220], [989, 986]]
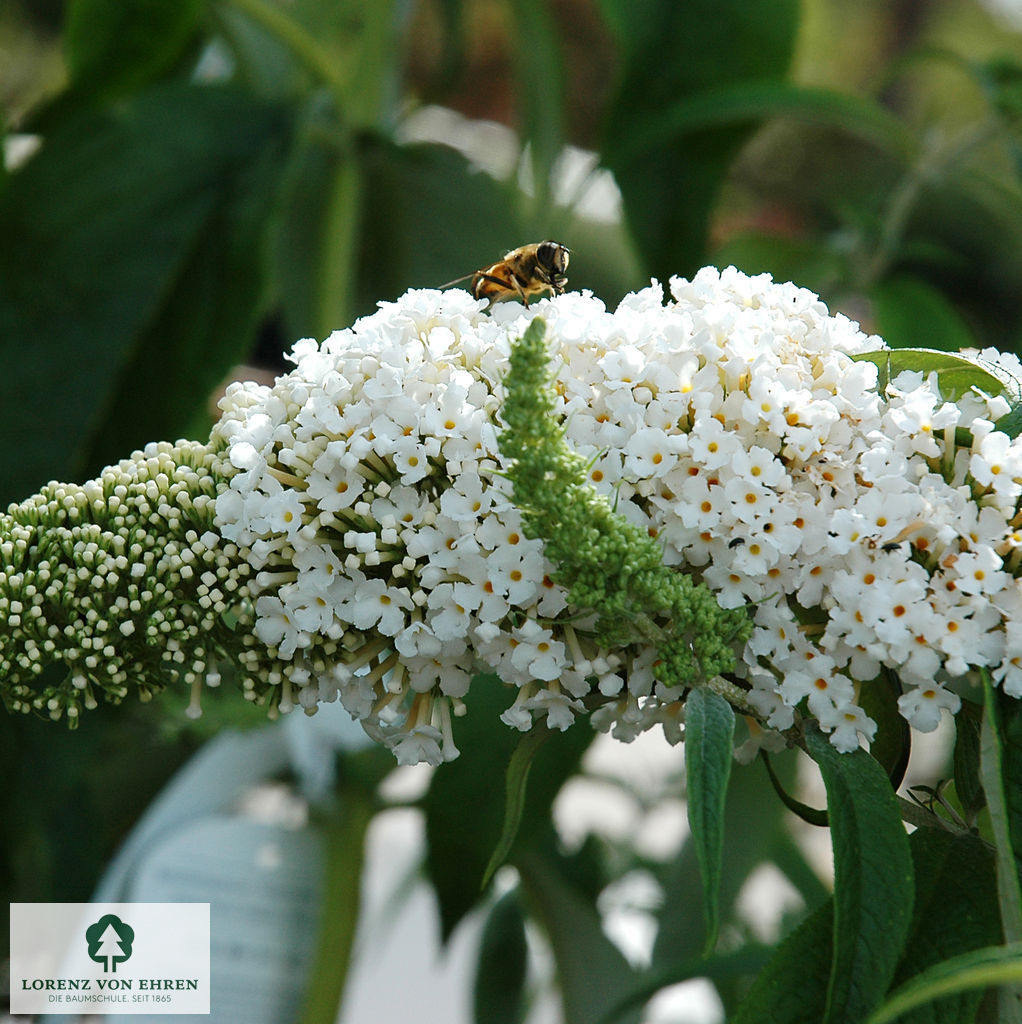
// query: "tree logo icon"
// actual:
[[109, 941]]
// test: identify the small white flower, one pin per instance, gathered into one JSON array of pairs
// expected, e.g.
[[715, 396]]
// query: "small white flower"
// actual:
[[846, 723], [419, 745], [922, 706], [276, 626]]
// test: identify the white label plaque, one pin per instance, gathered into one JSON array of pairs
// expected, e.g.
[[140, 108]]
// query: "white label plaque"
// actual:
[[112, 958]]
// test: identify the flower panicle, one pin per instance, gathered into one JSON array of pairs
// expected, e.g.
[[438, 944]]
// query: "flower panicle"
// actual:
[[609, 565], [716, 483], [119, 584]]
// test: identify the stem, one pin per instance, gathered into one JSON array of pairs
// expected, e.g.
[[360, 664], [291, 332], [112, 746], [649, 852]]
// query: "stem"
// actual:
[[733, 694], [339, 257], [931, 165], [991, 767], [345, 825], [913, 814], [296, 39]]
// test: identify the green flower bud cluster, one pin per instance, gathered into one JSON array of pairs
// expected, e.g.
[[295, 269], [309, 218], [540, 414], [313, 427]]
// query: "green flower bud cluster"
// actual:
[[121, 584], [609, 565]]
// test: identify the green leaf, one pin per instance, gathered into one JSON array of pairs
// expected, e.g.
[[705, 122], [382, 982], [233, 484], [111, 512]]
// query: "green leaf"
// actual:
[[981, 968], [1001, 771], [671, 52], [206, 321], [372, 97], [515, 787], [345, 825], [316, 281], [956, 375], [955, 882], [910, 312], [810, 815], [751, 810], [465, 806], [498, 995], [968, 786], [873, 881], [540, 91], [792, 987], [117, 211], [709, 734], [757, 99], [1011, 422], [591, 971], [90, 784], [114, 47], [806, 260], [893, 740], [402, 193]]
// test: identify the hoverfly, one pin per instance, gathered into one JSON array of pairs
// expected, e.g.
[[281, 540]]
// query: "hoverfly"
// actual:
[[523, 272]]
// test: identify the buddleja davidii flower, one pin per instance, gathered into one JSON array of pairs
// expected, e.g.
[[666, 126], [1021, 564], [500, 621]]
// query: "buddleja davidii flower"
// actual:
[[120, 583]]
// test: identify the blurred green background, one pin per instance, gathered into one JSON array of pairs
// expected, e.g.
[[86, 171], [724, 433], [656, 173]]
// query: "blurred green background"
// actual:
[[191, 185]]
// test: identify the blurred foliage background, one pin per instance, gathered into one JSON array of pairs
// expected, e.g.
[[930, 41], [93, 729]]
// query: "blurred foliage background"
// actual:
[[192, 185]]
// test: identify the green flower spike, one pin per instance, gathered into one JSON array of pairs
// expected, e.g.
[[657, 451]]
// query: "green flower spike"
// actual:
[[117, 584], [610, 566]]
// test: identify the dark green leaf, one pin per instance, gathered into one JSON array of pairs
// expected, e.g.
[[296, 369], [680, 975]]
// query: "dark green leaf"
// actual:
[[345, 824], [756, 99], [893, 740], [428, 217], [1011, 422], [709, 732], [498, 996], [373, 34], [872, 879], [540, 89], [465, 803], [690, 121], [85, 791], [956, 375], [999, 967], [1001, 772], [1001, 79], [751, 811], [316, 286], [911, 313], [672, 52], [516, 780], [792, 988], [810, 815], [115, 212], [808, 261], [115, 47], [968, 787], [207, 320], [955, 882], [670, 165]]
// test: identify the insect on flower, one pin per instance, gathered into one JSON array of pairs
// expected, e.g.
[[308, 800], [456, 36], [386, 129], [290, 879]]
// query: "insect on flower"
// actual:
[[523, 272]]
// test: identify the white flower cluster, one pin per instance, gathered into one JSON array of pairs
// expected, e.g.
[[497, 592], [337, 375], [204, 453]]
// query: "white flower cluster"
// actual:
[[367, 490]]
